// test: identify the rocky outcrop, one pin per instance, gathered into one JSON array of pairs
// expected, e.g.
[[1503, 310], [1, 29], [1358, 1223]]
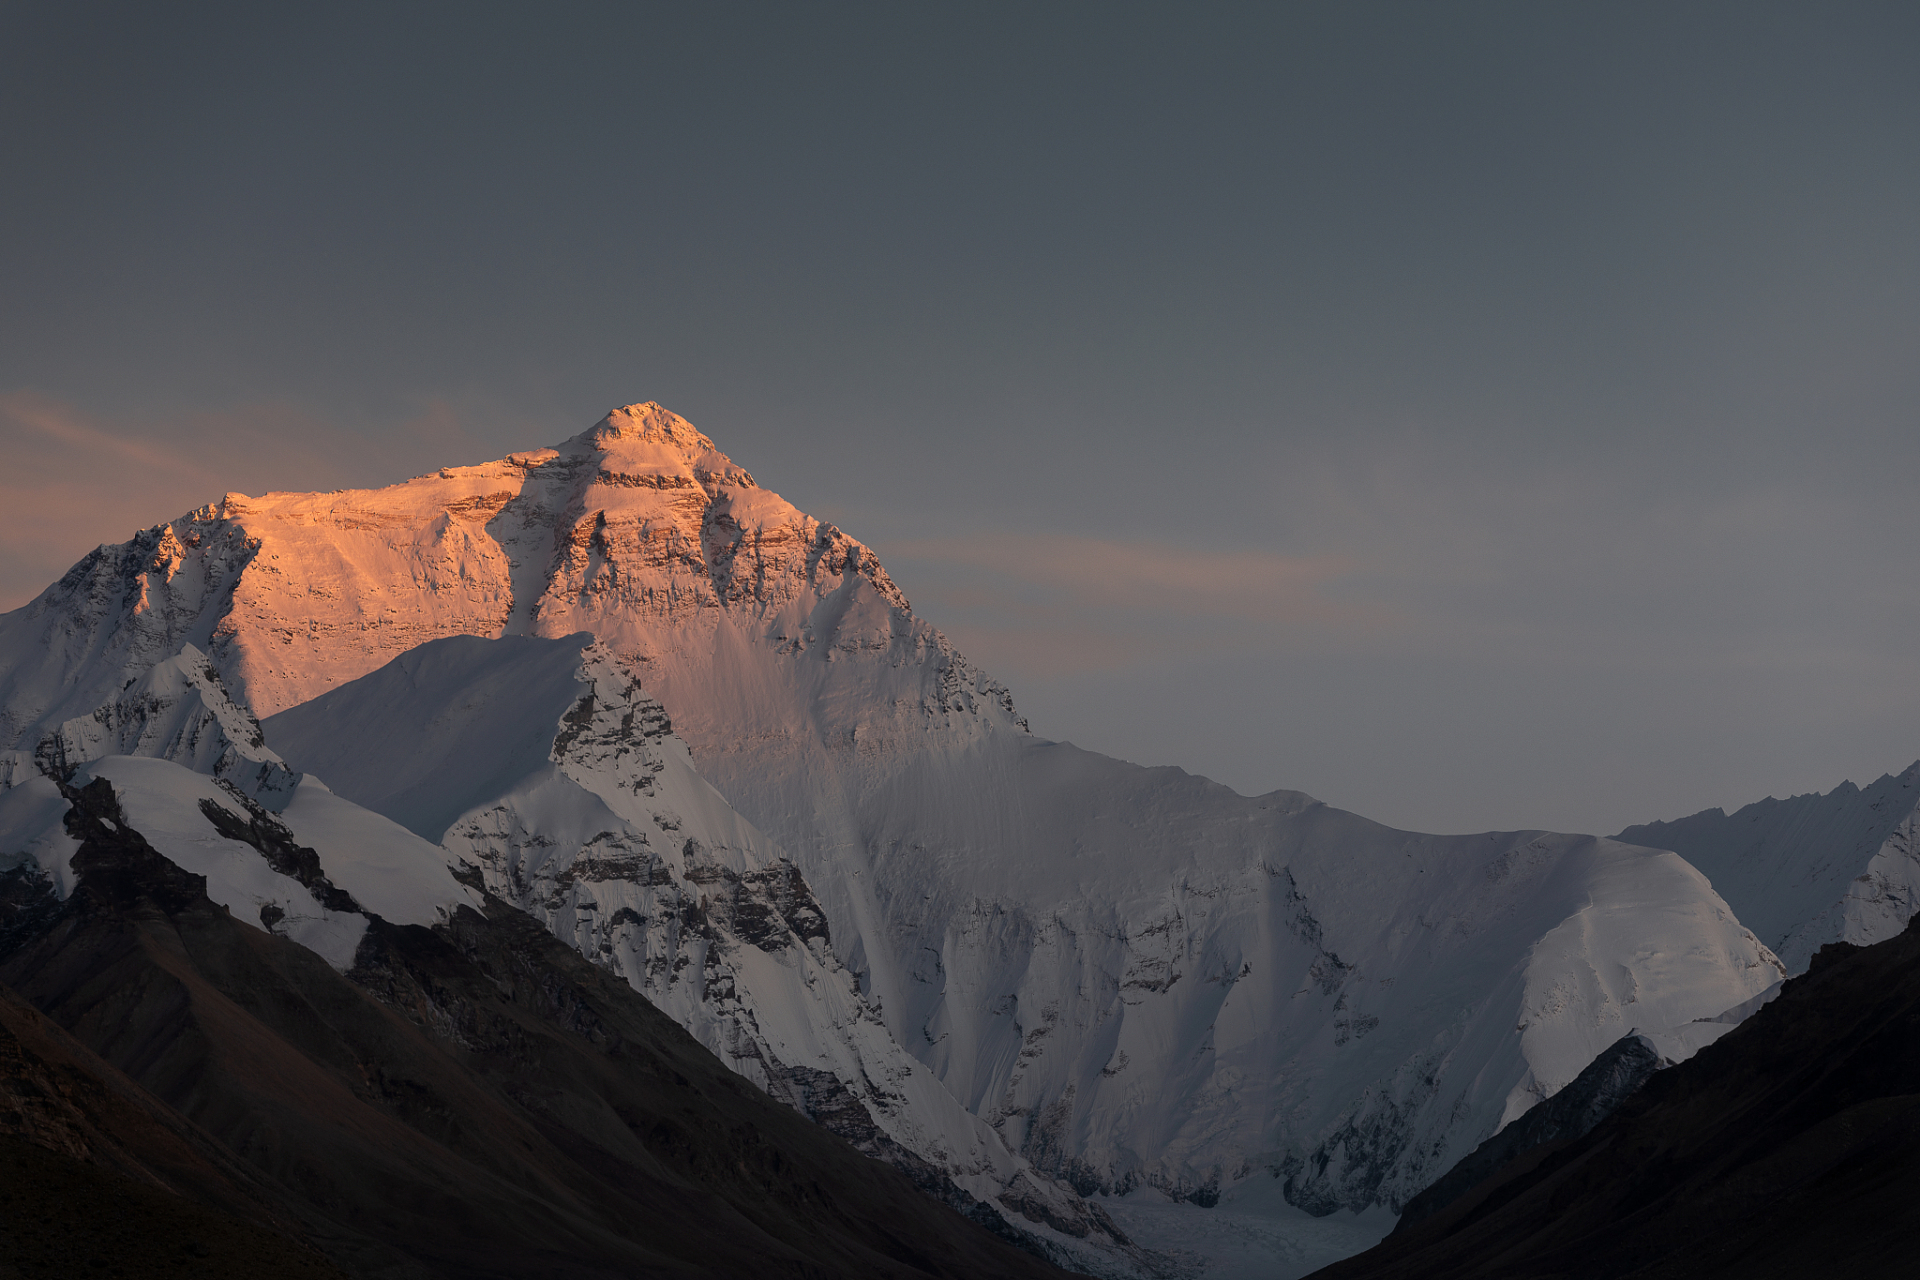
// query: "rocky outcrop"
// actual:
[[120, 612], [177, 710]]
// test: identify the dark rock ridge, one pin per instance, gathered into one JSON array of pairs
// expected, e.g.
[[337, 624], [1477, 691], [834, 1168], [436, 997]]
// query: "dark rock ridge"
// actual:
[[471, 1100], [97, 1174], [1788, 1148], [1593, 1095]]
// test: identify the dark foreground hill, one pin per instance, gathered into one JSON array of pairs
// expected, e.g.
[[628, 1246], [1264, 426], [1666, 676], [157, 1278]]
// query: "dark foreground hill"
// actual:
[[1789, 1148], [474, 1100]]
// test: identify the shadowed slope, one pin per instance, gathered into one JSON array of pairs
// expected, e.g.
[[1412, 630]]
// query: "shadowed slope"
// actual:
[[1568, 1114], [96, 1173], [1789, 1148], [61, 1216], [477, 1101]]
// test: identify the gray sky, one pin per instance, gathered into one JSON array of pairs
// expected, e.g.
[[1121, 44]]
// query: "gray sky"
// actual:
[[1475, 415]]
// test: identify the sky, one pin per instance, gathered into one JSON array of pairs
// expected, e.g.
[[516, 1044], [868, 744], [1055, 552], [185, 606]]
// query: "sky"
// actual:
[[1479, 416]]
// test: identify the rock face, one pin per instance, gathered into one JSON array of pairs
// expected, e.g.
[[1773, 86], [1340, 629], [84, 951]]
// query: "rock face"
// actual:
[[1132, 975], [1813, 869], [175, 710]]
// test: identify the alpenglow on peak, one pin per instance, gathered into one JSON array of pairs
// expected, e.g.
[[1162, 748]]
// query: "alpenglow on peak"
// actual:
[[649, 434], [637, 529]]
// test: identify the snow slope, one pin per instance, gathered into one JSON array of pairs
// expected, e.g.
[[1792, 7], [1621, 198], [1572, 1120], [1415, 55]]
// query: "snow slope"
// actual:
[[1135, 976], [1175, 991], [1812, 869], [1251, 1234], [1141, 976]]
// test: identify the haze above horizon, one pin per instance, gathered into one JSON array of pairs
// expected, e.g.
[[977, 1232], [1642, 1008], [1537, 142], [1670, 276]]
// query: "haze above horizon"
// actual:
[[1485, 418]]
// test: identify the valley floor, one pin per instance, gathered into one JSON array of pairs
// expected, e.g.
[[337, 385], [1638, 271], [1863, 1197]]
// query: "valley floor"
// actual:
[[1252, 1234]]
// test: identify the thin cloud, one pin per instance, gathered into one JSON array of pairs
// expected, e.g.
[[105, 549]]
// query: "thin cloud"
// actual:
[[1044, 604], [74, 481], [1257, 585], [39, 423]]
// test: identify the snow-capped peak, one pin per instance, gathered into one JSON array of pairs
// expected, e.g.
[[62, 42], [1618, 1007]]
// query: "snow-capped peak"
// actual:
[[660, 442], [647, 421]]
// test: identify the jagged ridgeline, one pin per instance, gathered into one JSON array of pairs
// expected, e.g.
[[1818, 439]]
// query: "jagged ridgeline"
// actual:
[[1812, 869], [704, 739]]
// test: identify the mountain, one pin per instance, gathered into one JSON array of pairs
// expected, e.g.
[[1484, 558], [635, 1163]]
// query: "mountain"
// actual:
[[637, 530], [1133, 976], [1812, 869], [468, 1099], [1789, 1148]]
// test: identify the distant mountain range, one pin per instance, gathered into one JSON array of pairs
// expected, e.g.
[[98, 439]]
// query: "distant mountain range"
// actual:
[[618, 690], [1812, 869]]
